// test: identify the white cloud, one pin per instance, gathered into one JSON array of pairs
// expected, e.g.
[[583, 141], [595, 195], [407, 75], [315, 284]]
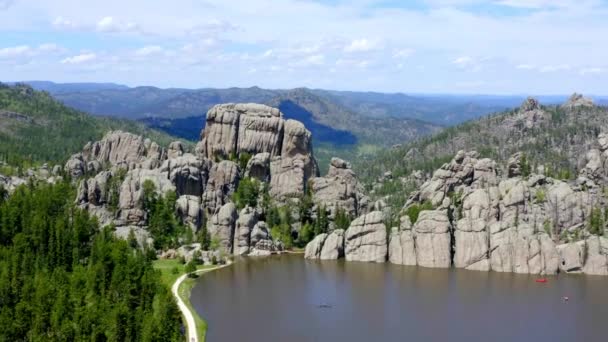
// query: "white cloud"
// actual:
[[109, 24], [525, 67], [539, 4], [403, 53], [79, 59], [15, 51], [149, 50], [50, 48], [463, 62], [350, 63], [360, 45], [593, 71], [64, 24], [296, 30], [555, 68], [313, 60]]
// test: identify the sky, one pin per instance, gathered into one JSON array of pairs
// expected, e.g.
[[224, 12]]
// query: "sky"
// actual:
[[412, 46]]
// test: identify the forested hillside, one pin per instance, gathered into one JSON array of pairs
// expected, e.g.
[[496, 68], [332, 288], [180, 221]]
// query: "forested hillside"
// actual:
[[34, 127], [552, 138], [62, 278]]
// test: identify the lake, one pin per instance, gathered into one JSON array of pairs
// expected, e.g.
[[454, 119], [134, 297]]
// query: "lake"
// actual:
[[287, 298]]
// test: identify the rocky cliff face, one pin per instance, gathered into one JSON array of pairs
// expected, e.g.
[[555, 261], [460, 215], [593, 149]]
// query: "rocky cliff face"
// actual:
[[239, 141], [472, 215]]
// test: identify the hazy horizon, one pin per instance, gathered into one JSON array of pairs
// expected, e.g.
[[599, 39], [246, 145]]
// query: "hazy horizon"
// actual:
[[413, 93]]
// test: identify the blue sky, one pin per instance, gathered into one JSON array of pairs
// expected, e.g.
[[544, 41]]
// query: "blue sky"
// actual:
[[420, 46]]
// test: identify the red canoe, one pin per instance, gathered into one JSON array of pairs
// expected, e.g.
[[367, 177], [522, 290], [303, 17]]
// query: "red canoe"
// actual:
[[541, 280]]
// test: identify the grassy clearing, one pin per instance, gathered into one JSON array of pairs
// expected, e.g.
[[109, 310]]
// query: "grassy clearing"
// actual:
[[170, 271]]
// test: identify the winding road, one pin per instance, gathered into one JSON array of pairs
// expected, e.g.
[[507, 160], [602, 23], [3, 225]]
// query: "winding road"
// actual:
[[190, 322]]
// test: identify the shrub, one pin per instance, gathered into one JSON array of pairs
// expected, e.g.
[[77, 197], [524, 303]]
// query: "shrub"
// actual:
[[540, 196], [596, 222], [247, 193], [191, 268], [414, 211]]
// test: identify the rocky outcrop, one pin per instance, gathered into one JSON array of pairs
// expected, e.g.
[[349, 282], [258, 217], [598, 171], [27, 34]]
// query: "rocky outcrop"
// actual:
[[259, 233], [11, 183], [314, 247], [402, 248], [247, 220], [221, 226], [502, 225], [366, 240], [131, 195], [597, 256], [175, 150], [188, 173], [126, 150], [333, 247], [223, 180], [464, 171], [239, 128], [258, 167], [189, 209], [433, 239], [578, 100], [118, 149], [277, 152], [326, 246], [76, 166], [595, 170], [530, 114], [340, 189], [94, 190], [572, 257], [282, 149]]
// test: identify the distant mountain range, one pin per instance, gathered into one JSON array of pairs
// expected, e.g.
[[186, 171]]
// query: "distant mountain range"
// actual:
[[139, 102]]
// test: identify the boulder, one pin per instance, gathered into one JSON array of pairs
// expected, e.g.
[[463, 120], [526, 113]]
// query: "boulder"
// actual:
[[340, 189], [597, 256], [126, 150], [471, 235], [189, 210], [245, 224], [223, 181], [366, 240], [131, 194], [241, 128], [259, 232], [221, 226], [514, 165], [572, 257], [258, 167], [433, 239], [94, 190], [75, 166], [333, 246], [175, 150], [314, 247], [260, 129], [402, 249], [265, 248], [188, 173]]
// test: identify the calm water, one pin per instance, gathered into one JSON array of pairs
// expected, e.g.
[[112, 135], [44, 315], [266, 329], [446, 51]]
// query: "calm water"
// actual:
[[285, 298]]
